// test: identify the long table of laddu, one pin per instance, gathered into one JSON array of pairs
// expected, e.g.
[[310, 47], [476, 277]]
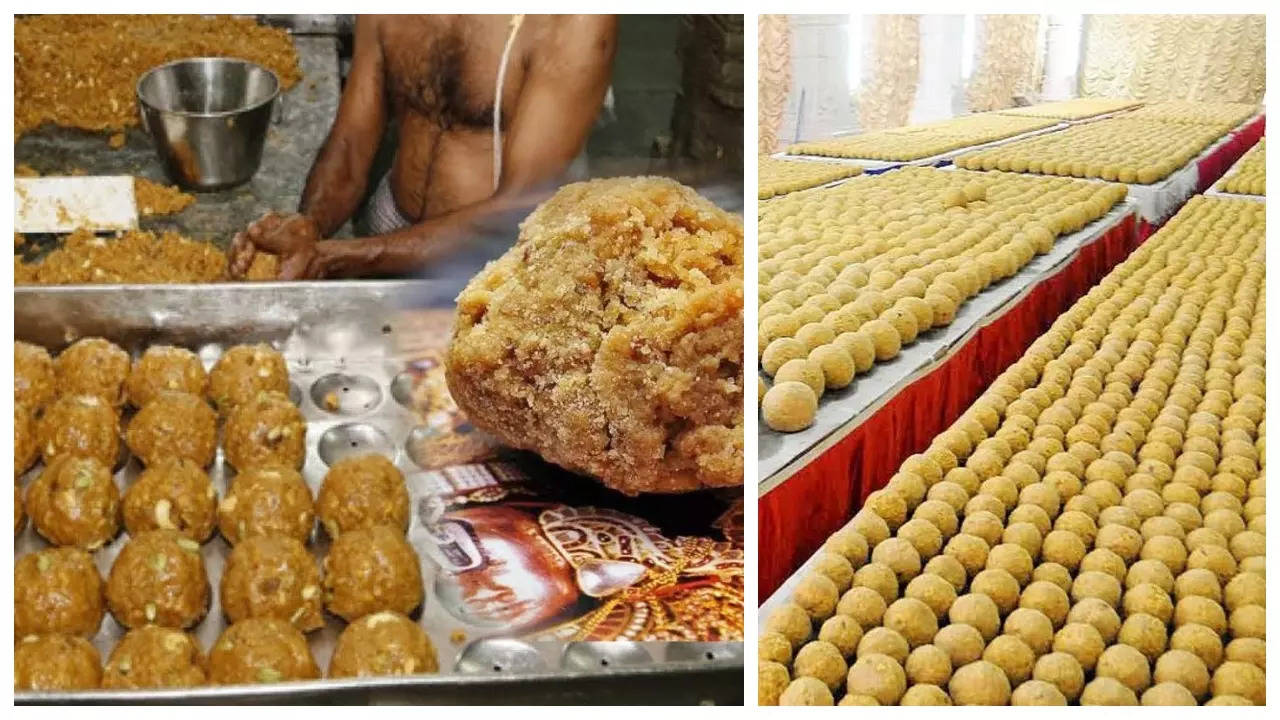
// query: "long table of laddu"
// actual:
[[813, 481]]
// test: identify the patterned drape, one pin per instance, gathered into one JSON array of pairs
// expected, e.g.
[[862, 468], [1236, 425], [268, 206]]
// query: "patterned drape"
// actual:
[[1175, 57], [892, 71], [774, 78], [1006, 62]]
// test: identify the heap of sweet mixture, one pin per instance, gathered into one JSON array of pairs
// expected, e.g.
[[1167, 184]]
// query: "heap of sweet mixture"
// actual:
[[134, 257], [79, 71]]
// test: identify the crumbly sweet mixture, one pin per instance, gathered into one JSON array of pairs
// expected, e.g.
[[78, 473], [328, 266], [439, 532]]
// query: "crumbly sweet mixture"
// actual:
[[609, 338], [155, 198], [151, 198], [134, 257], [80, 70]]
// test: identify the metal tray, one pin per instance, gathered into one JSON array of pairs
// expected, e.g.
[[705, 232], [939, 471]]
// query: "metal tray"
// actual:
[[339, 338]]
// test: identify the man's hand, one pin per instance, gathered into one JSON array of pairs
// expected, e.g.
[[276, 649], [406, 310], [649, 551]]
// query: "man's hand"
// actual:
[[291, 237]]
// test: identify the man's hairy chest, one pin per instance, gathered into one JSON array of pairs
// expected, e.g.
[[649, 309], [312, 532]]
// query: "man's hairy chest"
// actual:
[[449, 75]]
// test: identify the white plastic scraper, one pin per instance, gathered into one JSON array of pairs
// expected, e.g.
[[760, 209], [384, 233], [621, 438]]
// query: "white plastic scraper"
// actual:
[[64, 204]]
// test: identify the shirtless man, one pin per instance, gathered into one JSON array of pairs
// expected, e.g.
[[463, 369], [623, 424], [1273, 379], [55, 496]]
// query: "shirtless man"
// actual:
[[436, 75]]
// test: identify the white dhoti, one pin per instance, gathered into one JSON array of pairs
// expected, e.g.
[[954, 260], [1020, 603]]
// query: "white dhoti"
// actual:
[[383, 214]]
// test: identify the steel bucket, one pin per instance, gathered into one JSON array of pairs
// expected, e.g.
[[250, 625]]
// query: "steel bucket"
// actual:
[[208, 118]]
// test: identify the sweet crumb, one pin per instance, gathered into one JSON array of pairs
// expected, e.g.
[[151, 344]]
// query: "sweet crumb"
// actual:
[[609, 338], [155, 198], [79, 70], [152, 198], [134, 257]]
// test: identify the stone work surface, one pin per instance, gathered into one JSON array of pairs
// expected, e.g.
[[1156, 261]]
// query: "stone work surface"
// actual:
[[306, 112]]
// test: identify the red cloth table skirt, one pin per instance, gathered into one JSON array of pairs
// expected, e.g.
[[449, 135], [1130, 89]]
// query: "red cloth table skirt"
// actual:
[[1211, 169], [798, 515], [1145, 230], [1216, 164]]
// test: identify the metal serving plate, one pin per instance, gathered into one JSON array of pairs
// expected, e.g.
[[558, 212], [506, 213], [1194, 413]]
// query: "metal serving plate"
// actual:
[[339, 342]]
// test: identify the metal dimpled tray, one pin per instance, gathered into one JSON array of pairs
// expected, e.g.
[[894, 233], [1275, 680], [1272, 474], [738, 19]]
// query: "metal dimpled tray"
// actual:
[[338, 341]]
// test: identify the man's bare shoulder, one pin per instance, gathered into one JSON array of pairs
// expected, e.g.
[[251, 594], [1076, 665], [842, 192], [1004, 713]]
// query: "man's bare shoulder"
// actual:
[[573, 35], [369, 26], [589, 25]]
